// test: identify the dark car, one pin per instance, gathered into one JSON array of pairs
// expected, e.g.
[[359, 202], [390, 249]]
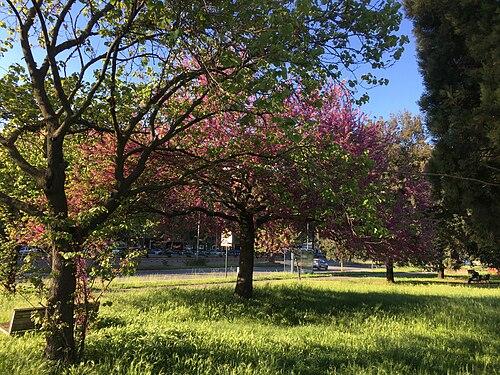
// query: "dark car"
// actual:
[[320, 264]]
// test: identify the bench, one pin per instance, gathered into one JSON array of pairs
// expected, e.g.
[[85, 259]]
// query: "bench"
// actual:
[[477, 278], [22, 320]]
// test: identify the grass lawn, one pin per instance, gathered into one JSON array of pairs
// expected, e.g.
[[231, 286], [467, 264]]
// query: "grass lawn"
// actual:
[[314, 326]]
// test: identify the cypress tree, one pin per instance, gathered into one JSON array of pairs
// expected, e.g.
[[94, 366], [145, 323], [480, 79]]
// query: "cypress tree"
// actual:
[[458, 55]]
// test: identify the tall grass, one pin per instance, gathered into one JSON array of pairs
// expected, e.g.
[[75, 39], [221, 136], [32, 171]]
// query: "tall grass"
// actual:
[[354, 326]]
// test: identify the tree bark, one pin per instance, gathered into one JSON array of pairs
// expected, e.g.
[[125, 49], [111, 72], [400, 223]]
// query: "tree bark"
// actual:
[[60, 339], [244, 282], [440, 274], [389, 271]]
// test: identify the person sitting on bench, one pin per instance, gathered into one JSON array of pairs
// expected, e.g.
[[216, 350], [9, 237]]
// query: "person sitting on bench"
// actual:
[[475, 276]]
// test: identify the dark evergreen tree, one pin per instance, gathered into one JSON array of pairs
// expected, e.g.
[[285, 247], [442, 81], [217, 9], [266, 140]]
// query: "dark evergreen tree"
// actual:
[[458, 53]]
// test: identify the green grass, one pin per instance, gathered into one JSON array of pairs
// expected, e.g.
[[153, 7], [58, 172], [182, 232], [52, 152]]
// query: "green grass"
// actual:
[[315, 326], [156, 281]]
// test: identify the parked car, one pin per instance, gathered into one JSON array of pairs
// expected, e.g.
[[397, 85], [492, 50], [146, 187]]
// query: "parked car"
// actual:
[[320, 264], [25, 250], [216, 253], [188, 253], [120, 250]]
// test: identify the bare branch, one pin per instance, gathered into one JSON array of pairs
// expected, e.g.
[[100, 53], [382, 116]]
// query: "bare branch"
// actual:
[[445, 175], [52, 61]]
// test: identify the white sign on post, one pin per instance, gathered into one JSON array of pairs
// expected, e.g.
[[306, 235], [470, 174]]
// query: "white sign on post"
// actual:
[[226, 239]]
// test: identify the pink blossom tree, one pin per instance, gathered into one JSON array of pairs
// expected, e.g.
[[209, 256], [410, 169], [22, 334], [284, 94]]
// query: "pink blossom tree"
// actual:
[[315, 170], [400, 228]]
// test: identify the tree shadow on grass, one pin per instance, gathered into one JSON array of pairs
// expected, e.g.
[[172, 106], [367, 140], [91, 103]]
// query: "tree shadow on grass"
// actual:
[[402, 276], [187, 350], [427, 279], [292, 305]]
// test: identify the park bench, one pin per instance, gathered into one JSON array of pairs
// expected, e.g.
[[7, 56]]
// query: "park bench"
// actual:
[[477, 278], [22, 320]]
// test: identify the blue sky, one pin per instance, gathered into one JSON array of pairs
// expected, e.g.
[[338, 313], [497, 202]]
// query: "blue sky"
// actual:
[[403, 91], [405, 84]]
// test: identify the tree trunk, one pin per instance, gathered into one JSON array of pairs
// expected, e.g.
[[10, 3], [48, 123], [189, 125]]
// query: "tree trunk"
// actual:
[[60, 339], [440, 271], [389, 271], [244, 283]]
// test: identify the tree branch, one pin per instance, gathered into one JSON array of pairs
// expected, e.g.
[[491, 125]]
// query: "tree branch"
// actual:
[[22, 163], [17, 205], [445, 175]]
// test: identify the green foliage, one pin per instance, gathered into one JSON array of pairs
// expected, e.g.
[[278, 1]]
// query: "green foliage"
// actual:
[[411, 140], [311, 327], [458, 52], [9, 267], [334, 249]]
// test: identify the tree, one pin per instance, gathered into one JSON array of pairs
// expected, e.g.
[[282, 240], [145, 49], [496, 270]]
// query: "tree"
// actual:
[[391, 220], [267, 174], [405, 212], [457, 45], [139, 72], [242, 183]]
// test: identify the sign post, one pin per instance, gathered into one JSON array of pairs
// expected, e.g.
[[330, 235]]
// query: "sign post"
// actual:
[[226, 242]]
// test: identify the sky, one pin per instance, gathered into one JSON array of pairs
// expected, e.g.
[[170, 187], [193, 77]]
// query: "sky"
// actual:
[[405, 84], [402, 92]]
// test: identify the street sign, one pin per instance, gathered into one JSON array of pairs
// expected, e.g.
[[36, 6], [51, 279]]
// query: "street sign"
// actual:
[[226, 239]]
